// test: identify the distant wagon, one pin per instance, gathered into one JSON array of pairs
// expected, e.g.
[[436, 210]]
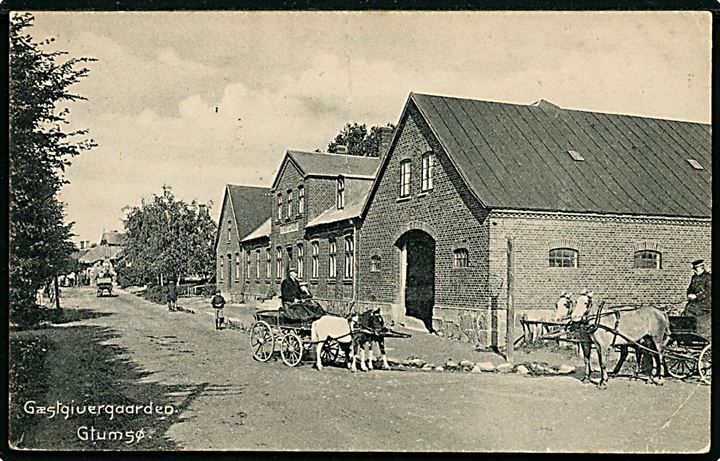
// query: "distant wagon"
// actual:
[[104, 286]]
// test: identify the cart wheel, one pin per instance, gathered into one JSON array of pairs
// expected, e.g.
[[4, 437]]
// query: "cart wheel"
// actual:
[[679, 367], [291, 349], [262, 341], [329, 352], [705, 364]]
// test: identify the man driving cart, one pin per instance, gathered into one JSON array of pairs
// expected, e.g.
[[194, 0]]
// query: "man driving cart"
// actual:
[[297, 303], [699, 302]]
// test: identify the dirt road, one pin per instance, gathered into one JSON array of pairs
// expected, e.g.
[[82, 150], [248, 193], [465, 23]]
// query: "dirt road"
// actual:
[[222, 399]]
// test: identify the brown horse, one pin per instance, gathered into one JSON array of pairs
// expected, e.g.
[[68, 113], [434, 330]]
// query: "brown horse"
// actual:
[[645, 325]]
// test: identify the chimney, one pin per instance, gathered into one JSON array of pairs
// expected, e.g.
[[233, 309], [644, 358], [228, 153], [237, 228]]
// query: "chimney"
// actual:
[[340, 149], [82, 244], [386, 134]]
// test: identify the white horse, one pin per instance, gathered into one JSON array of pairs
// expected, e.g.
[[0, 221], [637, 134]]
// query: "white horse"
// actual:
[[333, 328]]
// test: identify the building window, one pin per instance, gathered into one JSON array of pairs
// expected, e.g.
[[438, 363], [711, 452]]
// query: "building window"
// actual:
[[279, 206], [428, 170], [648, 259], [460, 258], [290, 211], [375, 263], [278, 262], [268, 263], [341, 193], [315, 260], [248, 264], [349, 256], [563, 257], [222, 269], [301, 260], [301, 200], [405, 178], [332, 260], [257, 264], [237, 266]]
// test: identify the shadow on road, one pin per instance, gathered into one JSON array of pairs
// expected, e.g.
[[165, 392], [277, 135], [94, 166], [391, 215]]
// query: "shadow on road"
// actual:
[[71, 369]]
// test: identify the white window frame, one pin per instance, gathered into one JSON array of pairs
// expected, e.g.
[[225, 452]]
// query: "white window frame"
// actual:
[[657, 259], [349, 256], [340, 199], [405, 178], [278, 262], [301, 200], [461, 258], [428, 171], [562, 257], [279, 206], [332, 259], [300, 260], [290, 211], [268, 263], [315, 259]]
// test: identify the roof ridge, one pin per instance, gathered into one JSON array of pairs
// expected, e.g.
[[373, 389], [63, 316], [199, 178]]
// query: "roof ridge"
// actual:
[[559, 108], [331, 154]]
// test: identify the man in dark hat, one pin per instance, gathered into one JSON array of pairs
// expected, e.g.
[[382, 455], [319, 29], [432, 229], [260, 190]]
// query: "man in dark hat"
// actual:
[[698, 295], [296, 303]]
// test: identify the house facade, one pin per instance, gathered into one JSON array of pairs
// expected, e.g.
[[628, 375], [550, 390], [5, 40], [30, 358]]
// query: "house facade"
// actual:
[[244, 208], [616, 204]]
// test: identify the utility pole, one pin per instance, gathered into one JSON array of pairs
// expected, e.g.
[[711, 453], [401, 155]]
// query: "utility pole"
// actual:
[[510, 320]]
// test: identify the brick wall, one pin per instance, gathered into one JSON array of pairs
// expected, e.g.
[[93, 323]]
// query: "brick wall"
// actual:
[[225, 254], [319, 197], [255, 287], [606, 248], [448, 213]]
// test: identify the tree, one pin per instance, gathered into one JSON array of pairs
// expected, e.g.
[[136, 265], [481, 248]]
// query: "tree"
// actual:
[[167, 239], [41, 147], [358, 140]]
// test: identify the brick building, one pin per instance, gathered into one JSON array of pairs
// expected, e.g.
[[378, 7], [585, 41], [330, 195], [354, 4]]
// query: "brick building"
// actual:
[[244, 208], [615, 203], [618, 204]]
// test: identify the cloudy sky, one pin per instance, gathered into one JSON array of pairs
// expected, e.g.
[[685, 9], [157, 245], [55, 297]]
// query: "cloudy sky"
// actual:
[[198, 100]]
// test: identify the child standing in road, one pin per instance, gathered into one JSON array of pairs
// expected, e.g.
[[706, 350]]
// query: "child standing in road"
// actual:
[[218, 303]]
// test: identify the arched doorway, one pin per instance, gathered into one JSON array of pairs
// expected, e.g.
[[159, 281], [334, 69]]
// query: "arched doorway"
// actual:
[[417, 275]]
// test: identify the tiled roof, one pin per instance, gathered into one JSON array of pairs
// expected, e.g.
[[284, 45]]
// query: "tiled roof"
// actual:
[[100, 253], [251, 205], [324, 164], [357, 192], [114, 238], [262, 231], [518, 157]]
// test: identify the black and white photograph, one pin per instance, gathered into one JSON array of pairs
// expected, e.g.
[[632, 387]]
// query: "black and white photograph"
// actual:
[[360, 231]]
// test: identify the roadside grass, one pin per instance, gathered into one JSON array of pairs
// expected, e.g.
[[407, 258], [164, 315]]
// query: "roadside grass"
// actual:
[[76, 366]]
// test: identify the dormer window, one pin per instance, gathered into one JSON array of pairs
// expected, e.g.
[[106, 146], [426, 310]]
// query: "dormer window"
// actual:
[[341, 193], [695, 164]]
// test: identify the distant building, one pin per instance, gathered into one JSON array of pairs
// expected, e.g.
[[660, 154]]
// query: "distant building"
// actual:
[[244, 208]]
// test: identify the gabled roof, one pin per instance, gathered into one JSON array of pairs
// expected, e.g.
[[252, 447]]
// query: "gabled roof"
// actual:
[[100, 253], [329, 165], [517, 157], [263, 231], [353, 206], [114, 238], [250, 206]]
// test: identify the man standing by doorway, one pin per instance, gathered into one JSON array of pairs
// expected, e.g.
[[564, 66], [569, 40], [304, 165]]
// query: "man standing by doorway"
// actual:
[[698, 295]]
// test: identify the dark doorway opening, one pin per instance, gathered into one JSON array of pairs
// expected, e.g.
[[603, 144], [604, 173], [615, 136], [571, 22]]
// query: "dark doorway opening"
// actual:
[[417, 275]]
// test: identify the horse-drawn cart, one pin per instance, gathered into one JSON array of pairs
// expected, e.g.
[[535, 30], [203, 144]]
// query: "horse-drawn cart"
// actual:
[[685, 353], [103, 285], [272, 331]]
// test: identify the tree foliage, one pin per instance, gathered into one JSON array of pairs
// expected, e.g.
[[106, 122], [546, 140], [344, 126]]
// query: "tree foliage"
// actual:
[[167, 239], [358, 139], [41, 147]]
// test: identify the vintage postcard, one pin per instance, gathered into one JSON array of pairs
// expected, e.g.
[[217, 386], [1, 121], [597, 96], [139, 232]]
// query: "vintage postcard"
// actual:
[[360, 231]]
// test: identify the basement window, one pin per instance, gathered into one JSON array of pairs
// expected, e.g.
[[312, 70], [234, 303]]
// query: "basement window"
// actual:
[[695, 164], [576, 156]]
